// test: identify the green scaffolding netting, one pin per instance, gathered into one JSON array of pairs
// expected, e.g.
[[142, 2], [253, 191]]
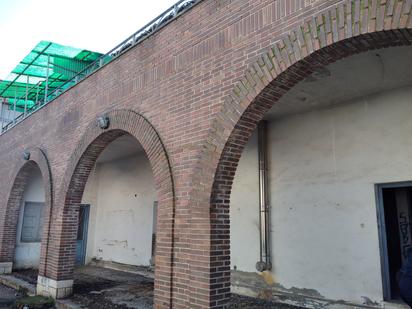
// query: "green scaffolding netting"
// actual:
[[48, 61]]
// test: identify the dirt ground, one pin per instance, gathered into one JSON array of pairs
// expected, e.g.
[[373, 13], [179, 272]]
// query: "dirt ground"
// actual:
[[7, 297], [243, 302], [96, 288], [102, 288], [28, 275]]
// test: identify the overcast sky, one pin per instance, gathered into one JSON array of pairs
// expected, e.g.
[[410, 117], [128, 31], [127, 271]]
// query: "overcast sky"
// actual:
[[97, 25]]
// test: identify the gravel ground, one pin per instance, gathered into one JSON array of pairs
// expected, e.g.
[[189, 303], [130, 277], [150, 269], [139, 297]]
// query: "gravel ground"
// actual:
[[7, 297]]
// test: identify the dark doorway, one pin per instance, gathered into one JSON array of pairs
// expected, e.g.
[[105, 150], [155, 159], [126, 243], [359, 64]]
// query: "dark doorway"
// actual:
[[395, 218], [81, 242]]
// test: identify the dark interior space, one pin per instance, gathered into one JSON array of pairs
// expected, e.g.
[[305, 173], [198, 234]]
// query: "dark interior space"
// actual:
[[397, 211]]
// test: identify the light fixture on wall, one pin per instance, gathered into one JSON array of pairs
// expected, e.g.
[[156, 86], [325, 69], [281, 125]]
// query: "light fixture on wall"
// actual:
[[103, 122], [26, 155]]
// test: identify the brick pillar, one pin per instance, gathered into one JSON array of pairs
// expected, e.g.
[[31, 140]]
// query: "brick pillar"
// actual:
[[56, 280]]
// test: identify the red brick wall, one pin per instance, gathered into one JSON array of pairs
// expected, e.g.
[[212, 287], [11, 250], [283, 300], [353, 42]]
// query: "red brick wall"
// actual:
[[202, 83]]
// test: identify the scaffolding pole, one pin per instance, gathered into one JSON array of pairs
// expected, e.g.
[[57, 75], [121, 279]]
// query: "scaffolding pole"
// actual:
[[1, 115], [27, 94], [46, 88], [37, 93], [14, 107]]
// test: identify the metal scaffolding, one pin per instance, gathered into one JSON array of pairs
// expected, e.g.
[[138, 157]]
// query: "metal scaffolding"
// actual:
[[34, 81], [51, 69]]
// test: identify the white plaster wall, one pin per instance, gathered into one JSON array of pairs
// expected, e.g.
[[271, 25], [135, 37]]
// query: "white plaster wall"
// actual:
[[244, 210], [90, 197], [121, 194], [27, 255], [323, 167]]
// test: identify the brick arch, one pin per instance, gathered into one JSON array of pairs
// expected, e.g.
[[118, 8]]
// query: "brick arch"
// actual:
[[92, 143], [23, 169], [345, 29]]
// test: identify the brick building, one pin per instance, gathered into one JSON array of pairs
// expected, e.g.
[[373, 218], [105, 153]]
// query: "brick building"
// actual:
[[158, 151]]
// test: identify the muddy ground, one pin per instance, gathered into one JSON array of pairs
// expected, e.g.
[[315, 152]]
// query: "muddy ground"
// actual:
[[98, 288], [7, 297], [28, 275], [102, 288]]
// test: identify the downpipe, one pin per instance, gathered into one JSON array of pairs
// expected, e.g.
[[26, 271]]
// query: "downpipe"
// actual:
[[264, 263]]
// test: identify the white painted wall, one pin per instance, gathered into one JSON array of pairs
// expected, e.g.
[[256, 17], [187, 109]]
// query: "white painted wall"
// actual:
[[323, 167], [27, 255], [90, 197], [121, 194]]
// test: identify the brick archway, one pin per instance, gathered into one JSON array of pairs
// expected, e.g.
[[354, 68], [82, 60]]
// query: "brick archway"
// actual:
[[345, 29], [62, 248], [24, 167]]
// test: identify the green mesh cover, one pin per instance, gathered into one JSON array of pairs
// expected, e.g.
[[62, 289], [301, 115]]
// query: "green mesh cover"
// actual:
[[61, 63]]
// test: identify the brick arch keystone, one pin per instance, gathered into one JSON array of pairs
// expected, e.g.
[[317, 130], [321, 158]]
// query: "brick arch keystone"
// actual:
[[61, 252], [344, 29], [22, 171]]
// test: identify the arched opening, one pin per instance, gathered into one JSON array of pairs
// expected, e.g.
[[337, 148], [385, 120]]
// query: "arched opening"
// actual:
[[117, 193], [121, 197], [116, 229], [24, 231], [335, 141], [30, 222]]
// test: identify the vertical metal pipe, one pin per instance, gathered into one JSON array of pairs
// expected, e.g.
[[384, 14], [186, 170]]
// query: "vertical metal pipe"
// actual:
[[264, 215], [47, 80]]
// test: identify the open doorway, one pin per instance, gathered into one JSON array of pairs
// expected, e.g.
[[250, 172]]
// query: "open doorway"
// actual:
[[81, 241], [29, 231], [116, 216], [395, 214], [116, 229]]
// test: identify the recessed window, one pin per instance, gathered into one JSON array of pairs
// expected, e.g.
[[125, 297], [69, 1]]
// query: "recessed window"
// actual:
[[32, 222]]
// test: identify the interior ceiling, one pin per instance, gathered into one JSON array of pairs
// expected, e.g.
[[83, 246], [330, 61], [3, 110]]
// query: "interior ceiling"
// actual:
[[122, 147], [350, 78]]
